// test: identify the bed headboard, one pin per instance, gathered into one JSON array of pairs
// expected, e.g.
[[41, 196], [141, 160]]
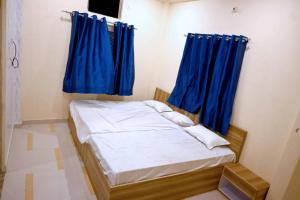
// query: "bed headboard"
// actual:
[[235, 135]]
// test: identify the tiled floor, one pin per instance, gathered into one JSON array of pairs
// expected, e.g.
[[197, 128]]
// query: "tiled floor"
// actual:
[[44, 165]]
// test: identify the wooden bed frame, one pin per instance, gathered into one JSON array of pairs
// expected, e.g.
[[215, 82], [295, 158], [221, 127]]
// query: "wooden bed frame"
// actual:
[[176, 186]]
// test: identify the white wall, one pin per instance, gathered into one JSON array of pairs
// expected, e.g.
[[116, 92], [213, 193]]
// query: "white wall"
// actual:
[[268, 95], [293, 192], [46, 39], [286, 182]]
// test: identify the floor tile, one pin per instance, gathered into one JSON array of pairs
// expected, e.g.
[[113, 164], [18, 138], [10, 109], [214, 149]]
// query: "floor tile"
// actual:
[[51, 185], [41, 141], [14, 186], [43, 164]]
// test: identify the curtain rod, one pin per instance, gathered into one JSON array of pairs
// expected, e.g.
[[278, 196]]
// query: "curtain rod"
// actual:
[[110, 23], [248, 39]]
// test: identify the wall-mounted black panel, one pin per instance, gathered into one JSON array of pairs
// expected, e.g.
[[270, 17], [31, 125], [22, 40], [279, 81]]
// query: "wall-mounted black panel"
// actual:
[[105, 7]]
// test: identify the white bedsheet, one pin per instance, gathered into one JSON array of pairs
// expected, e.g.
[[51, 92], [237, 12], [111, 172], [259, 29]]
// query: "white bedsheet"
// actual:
[[133, 142], [136, 156], [98, 117]]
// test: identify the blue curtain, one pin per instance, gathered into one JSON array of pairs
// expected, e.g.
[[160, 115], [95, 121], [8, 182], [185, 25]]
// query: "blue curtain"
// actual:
[[123, 58], [193, 75], [208, 77], [90, 67]]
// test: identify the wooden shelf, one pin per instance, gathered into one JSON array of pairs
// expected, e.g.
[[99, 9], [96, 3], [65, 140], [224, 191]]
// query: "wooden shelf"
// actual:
[[238, 182]]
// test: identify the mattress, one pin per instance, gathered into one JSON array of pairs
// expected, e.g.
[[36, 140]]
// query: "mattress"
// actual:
[[133, 142], [136, 156]]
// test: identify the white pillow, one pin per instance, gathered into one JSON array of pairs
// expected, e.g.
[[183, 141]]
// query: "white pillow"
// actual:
[[206, 136], [178, 118], [158, 106]]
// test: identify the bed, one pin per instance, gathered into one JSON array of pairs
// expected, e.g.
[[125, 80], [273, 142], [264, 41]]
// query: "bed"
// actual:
[[176, 179]]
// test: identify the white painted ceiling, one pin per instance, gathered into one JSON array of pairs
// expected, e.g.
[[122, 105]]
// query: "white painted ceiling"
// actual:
[[175, 1]]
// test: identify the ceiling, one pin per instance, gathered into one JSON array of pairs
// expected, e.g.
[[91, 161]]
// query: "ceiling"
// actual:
[[175, 1]]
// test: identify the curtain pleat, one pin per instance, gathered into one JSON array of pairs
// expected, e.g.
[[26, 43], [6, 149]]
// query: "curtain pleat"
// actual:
[[90, 66], [124, 59], [208, 77], [185, 75], [219, 104]]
